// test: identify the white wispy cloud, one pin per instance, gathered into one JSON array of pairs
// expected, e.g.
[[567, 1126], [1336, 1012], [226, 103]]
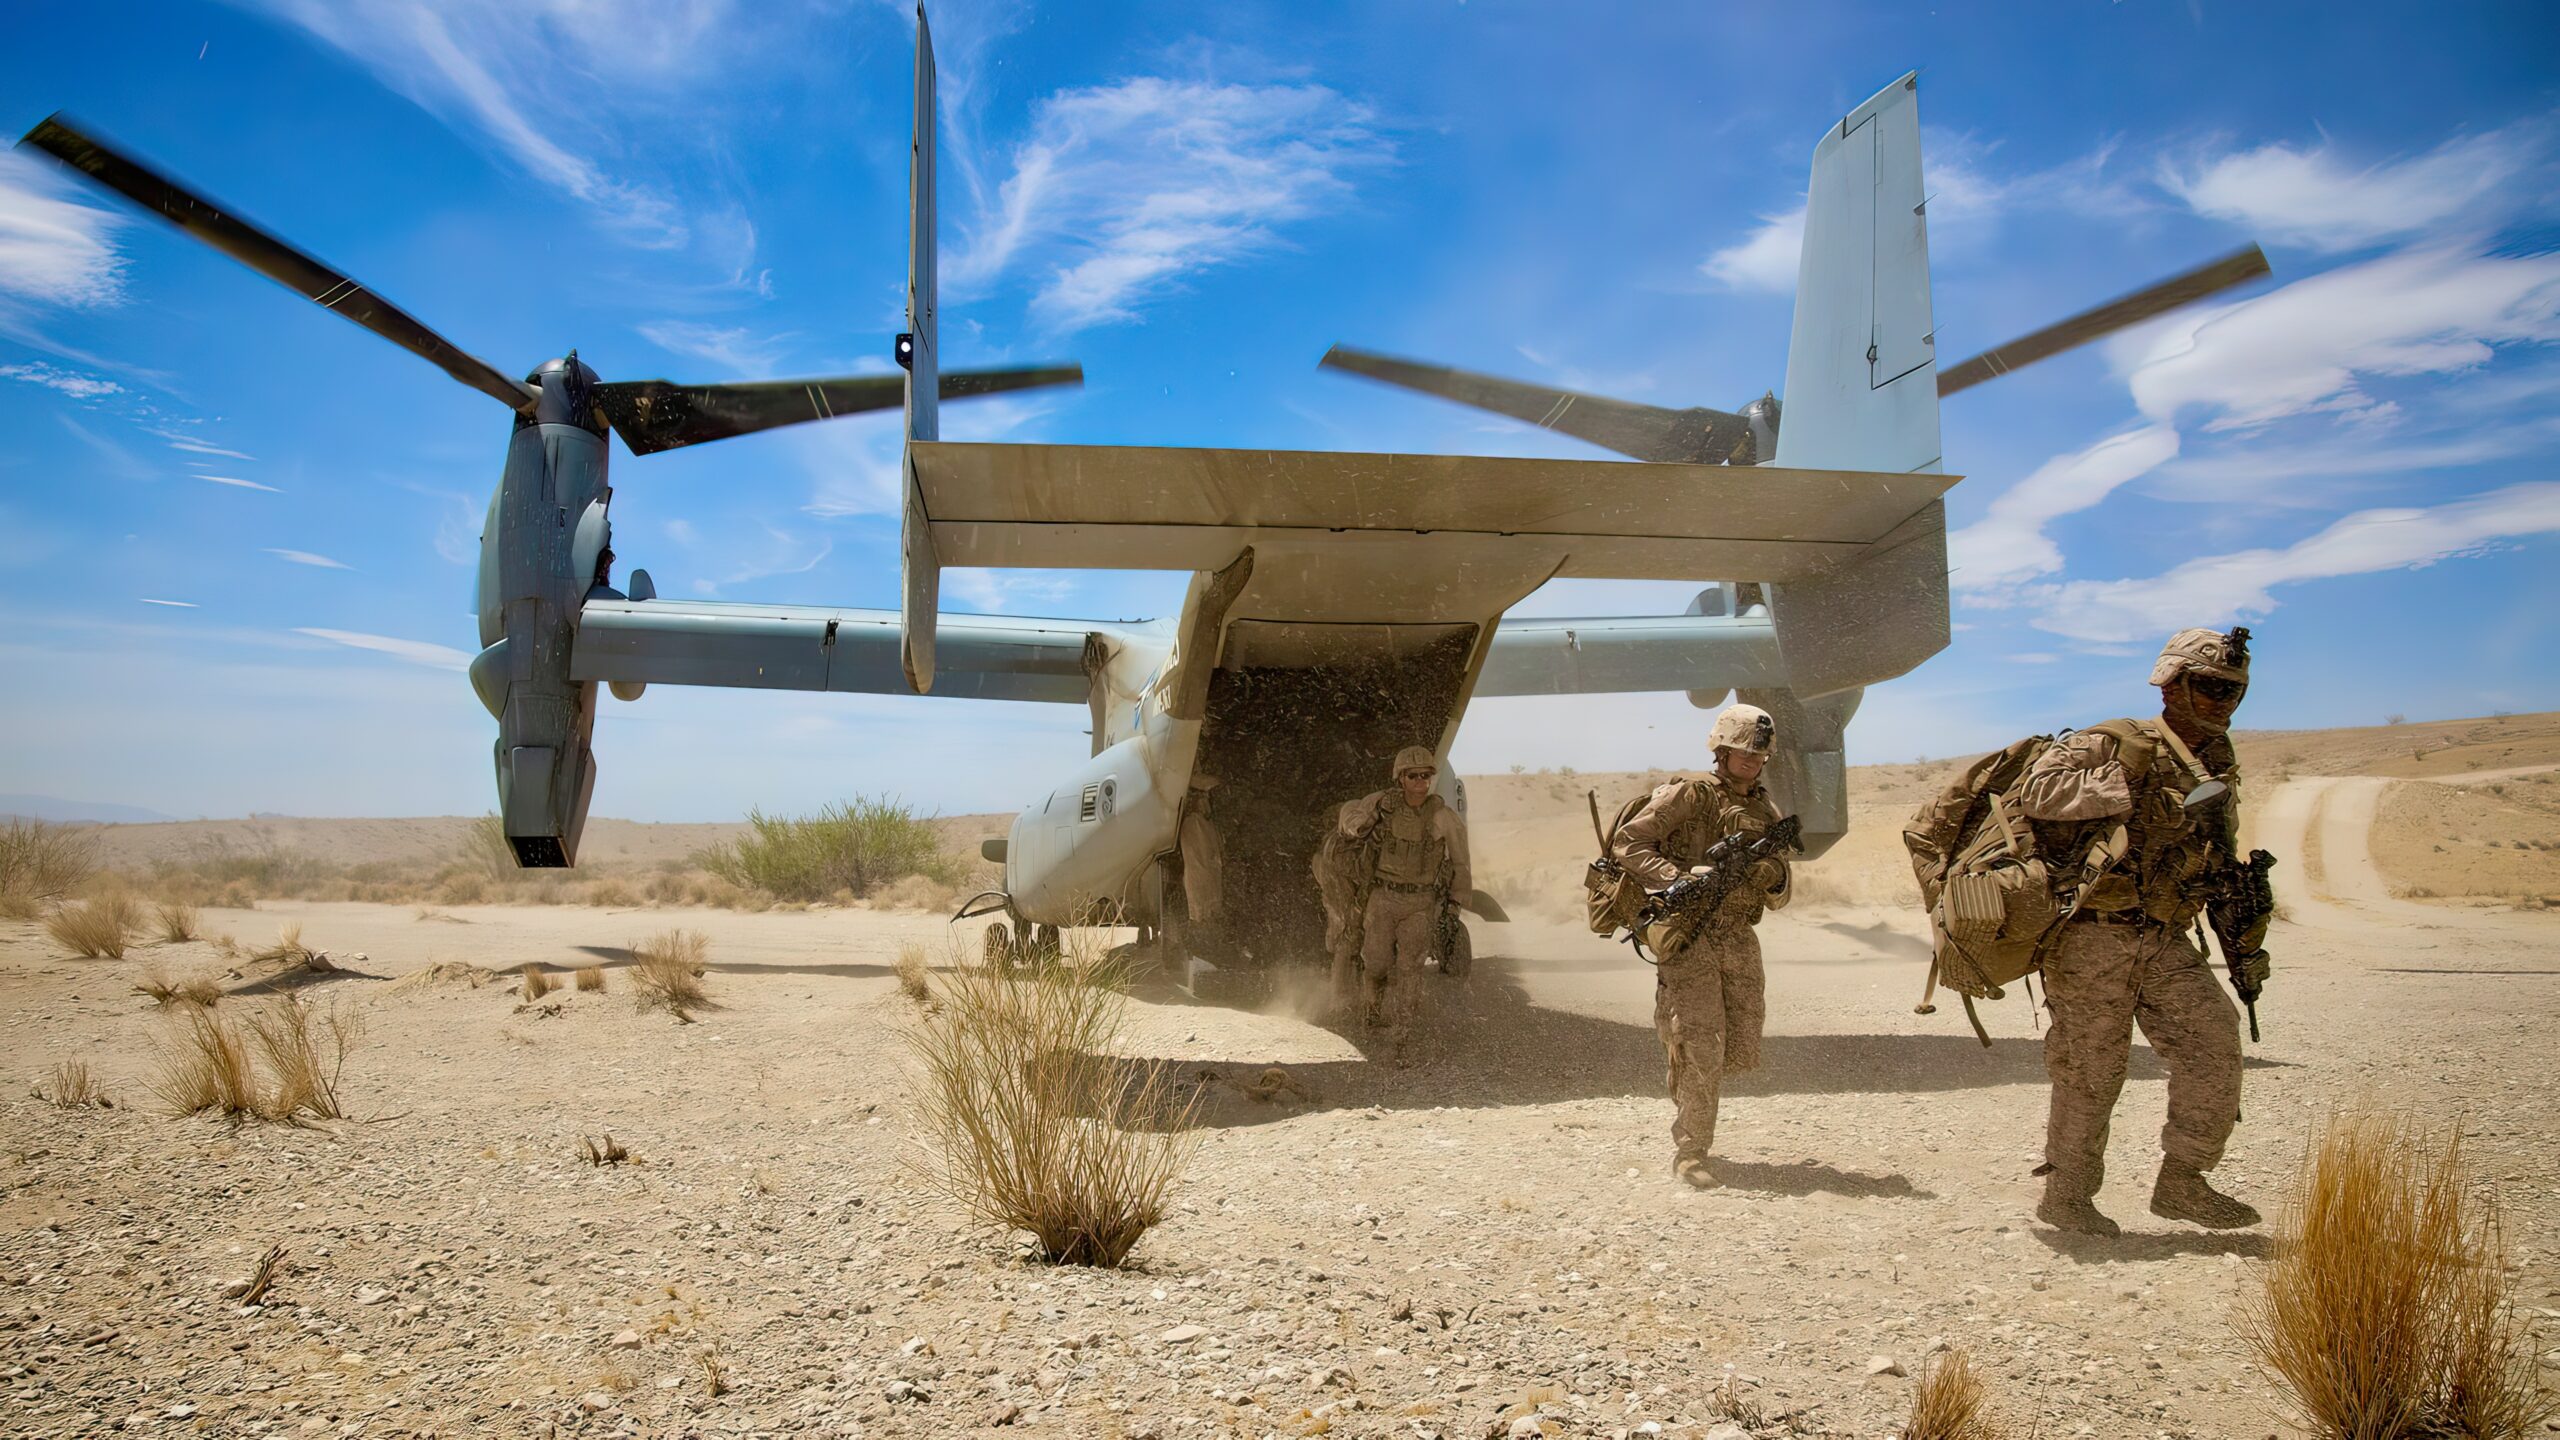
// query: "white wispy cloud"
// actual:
[[2008, 543], [181, 440], [240, 483], [990, 591], [69, 382], [1123, 190], [2219, 589], [2315, 198], [2271, 471], [682, 532], [740, 353], [305, 557], [172, 604], [1765, 260], [529, 77], [53, 250], [416, 652], [2303, 348]]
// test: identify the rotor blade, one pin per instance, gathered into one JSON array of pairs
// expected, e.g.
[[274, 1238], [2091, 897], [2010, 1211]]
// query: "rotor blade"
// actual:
[[1693, 436], [2238, 267], [655, 415], [269, 256]]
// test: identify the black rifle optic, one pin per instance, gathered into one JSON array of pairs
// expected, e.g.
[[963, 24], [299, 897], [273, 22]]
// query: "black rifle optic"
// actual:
[[1687, 902]]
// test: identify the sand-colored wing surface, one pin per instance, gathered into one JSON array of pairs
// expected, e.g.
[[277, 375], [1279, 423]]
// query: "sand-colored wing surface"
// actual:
[[1152, 508]]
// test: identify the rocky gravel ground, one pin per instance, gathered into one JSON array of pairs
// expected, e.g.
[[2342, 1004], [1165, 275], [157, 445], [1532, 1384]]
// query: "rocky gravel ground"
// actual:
[[1483, 1242]]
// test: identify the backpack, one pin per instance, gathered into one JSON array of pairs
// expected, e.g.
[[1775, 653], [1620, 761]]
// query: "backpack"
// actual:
[[1988, 890], [1612, 896]]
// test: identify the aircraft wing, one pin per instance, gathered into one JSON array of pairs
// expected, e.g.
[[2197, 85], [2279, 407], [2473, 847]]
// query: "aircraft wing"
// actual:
[[823, 647], [1149, 508]]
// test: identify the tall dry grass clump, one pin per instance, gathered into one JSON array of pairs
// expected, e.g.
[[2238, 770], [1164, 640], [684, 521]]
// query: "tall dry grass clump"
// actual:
[[912, 980], [168, 989], [95, 928], [208, 1061], [536, 983], [42, 861], [591, 977], [74, 1088], [1950, 1403], [2386, 1312], [177, 923], [858, 846], [667, 970], [305, 1048], [485, 850], [1036, 1124]]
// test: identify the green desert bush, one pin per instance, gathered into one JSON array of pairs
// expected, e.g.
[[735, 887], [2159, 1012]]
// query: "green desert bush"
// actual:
[[2386, 1311], [858, 846], [1037, 1124]]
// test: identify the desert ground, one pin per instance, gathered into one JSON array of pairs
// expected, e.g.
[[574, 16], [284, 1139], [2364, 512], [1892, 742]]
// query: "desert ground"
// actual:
[[1359, 1249]]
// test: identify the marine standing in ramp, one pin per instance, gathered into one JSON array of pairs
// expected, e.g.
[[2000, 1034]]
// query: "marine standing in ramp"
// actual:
[[2124, 957], [1709, 998], [1418, 853]]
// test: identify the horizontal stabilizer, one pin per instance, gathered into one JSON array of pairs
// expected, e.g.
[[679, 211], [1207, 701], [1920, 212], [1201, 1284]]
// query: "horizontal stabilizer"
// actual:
[[1693, 436], [1141, 508]]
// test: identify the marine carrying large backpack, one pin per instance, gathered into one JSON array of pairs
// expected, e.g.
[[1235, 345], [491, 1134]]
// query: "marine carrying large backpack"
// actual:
[[1988, 889], [1612, 896]]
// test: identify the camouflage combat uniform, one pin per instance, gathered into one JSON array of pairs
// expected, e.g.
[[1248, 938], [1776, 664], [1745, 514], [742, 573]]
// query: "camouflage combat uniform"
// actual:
[[2129, 957], [1709, 991], [1421, 860]]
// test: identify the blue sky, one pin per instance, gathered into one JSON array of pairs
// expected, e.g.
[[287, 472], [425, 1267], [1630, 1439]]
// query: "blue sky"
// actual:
[[1195, 201]]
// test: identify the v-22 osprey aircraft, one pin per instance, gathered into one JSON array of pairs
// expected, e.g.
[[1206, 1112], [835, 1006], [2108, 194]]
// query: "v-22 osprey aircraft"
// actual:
[[1341, 606]]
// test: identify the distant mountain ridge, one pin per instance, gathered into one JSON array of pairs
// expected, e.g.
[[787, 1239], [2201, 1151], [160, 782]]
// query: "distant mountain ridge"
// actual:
[[53, 807]]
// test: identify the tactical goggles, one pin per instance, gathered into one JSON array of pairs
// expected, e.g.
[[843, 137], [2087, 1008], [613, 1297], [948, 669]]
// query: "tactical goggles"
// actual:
[[1416, 774], [2215, 688]]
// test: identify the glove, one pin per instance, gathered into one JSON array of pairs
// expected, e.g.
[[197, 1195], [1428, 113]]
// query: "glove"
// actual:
[[1769, 875], [2255, 968], [1683, 892]]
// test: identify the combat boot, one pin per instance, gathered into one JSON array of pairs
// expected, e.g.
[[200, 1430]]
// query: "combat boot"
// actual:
[[2181, 1194], [1692, 1171], [2064, 1210]]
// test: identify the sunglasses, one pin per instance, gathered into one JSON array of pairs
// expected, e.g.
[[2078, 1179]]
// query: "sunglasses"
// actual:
[[2214, 687], [1417, 774]]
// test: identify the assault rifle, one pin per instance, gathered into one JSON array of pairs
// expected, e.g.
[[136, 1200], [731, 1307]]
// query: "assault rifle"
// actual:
[[2238, 899], [1688, 901]]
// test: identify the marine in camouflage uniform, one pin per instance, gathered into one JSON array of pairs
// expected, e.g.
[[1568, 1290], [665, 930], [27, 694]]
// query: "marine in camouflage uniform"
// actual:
[[2129, 956], [1420, 861], [1709, 998]]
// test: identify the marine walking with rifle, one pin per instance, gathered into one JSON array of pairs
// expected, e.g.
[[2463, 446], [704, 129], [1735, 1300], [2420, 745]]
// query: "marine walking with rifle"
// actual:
[[1391, 871], [1708, 856], [2150, 809]]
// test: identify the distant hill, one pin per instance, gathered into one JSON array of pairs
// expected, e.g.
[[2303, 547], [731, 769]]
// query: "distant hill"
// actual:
[[49, 807]]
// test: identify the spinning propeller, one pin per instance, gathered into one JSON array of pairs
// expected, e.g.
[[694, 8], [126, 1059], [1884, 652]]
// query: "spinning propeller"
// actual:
[[649, 415], [1702, 436]]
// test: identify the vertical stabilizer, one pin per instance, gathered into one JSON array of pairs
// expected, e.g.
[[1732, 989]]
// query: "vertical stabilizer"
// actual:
[[1862, 394], [1862, 375], [920, 589]]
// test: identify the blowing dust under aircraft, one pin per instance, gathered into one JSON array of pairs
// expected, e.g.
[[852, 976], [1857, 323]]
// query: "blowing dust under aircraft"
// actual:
[[1342, 605]]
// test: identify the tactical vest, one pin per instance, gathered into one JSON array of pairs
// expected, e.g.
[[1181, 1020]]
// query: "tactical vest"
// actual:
[[1410, 849], [2166, 846], [1721, 812]]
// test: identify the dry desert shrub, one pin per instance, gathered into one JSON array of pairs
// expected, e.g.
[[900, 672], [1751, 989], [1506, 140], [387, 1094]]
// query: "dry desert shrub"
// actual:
[[2386, 1311], [859, 846], [94, 928], [667, 970], [911, 973], [20, 907], [204, 1065], [536, 983], [1949, 1403], [176, 922], [591, 977], [485, 851], [305, 1047], [609, 1152], [289, 946], [161, 986], [1037, 1125], [73, 1087], [43, 861]]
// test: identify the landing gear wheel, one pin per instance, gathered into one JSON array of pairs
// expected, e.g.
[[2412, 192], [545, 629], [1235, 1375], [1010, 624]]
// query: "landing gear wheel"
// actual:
[[1000, 952]]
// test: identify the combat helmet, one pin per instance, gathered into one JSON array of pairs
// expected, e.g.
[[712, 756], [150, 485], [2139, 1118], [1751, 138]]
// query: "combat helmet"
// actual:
[[2204, 652], [1413, 757], [1744, 727]]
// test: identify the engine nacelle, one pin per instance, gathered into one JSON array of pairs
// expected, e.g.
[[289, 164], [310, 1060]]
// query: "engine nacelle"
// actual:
[[546, 545]]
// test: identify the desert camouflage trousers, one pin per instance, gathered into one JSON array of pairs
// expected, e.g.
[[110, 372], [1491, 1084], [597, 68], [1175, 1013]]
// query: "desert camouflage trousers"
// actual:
[[2100, 982], [1396, 936], [1710, 1000]]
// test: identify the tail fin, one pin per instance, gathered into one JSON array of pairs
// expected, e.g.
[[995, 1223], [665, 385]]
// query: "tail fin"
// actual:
[[1862, 383], [920, 587]]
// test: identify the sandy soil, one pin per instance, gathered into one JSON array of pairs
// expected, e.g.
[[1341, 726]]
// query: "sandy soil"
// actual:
[[1401, 1252]]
